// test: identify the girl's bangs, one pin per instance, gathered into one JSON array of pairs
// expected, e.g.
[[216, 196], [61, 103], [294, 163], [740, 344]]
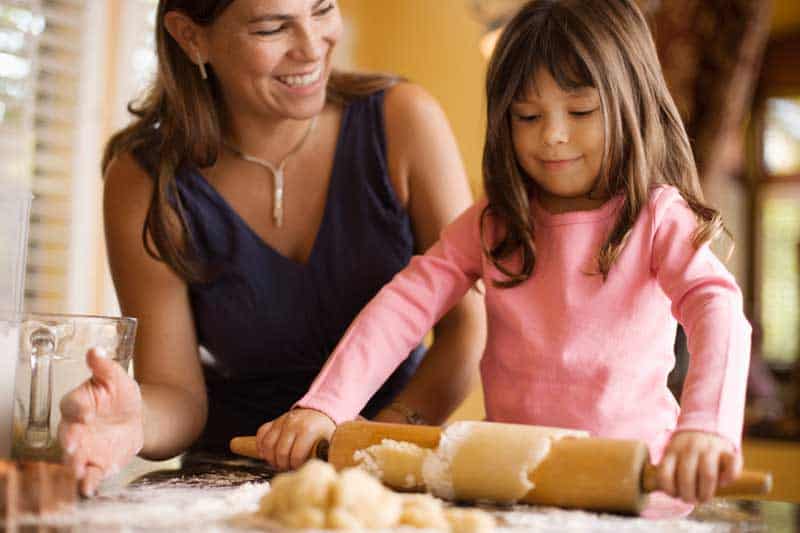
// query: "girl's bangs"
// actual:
[[552, 47]]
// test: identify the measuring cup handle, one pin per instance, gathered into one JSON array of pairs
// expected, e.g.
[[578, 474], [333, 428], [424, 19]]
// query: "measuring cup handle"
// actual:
[[43, 344]]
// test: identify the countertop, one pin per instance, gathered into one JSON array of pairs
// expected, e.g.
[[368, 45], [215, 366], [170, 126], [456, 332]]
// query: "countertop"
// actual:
[[213, 495]]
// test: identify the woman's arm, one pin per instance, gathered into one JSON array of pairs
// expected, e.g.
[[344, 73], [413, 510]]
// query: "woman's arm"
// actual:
[[110, 418], [166, 363], [429, 178]]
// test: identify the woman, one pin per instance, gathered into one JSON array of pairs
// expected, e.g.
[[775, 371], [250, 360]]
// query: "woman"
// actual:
[[255, 205]]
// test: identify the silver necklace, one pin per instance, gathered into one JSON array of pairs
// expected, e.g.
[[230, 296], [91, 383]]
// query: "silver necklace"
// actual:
[[276, 171]]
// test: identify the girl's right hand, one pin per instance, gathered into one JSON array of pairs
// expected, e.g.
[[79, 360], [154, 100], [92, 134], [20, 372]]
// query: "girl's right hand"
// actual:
[[101, 422], [286, 442]]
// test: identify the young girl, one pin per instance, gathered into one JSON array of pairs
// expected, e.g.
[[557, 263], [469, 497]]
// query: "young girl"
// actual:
[[592, 242]]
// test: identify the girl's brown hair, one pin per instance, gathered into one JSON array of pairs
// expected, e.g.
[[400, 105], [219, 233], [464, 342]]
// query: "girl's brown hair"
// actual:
[[178, 125], [605, 44]]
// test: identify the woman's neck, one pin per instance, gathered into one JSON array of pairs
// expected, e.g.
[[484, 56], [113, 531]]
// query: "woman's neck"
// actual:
[[263, 137]]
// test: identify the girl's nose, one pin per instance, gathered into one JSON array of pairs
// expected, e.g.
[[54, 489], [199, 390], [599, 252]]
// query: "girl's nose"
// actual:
[[556, 131]]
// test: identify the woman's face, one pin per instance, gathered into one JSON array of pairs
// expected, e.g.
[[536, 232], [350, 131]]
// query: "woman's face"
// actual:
[[559, 137], [273, 57]]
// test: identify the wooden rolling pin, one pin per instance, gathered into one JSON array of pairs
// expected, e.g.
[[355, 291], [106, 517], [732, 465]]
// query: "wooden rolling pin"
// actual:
[[584, 473]]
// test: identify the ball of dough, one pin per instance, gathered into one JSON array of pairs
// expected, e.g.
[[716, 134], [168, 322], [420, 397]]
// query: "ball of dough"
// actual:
[[469, 520], [423, 511], [301, 499], [359, 500]]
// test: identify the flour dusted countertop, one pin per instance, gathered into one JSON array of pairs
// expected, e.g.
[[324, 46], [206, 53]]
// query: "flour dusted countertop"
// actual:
[[211, 495]]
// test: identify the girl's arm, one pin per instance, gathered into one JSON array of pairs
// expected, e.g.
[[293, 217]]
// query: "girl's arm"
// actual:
[[427, 172], [707, 301], [381, 336]]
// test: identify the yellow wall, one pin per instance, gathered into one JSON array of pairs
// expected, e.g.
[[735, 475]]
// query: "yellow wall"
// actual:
[[433, 43], [785, 16]]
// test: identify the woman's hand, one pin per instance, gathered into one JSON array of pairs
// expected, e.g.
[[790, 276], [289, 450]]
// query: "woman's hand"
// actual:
[[287, 441], [695, 463], [101, 422]]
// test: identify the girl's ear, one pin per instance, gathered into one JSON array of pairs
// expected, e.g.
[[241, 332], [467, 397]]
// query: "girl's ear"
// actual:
[[189, 35]]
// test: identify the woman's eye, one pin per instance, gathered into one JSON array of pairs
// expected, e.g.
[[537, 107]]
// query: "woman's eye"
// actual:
[[325, 10], [582, 113], [271, 31]]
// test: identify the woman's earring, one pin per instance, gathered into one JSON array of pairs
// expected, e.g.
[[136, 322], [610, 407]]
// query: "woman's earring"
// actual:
[[201, 65]]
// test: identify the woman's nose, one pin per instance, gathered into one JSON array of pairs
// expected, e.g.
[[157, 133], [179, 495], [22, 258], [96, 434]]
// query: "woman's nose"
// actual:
[[308, 45]]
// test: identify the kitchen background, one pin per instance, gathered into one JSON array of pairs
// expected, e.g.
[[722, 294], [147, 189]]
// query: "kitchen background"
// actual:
[[69, 67]]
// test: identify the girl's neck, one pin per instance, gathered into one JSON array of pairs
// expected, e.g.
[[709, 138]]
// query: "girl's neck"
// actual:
[[560, 204]]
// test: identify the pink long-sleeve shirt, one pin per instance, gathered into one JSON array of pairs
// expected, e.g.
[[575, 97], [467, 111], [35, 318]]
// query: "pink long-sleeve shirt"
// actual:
[[565, 348]]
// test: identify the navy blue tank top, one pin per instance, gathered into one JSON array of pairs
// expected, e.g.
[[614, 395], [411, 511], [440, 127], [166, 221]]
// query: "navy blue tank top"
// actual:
[[267, 324]]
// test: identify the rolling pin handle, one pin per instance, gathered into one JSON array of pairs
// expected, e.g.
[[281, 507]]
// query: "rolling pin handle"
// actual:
[[749, 483], [320, 449]]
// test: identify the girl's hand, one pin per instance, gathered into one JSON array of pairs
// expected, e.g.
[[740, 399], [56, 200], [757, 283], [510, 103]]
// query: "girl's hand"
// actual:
[[101, 422], [287, 441], [695, 463]]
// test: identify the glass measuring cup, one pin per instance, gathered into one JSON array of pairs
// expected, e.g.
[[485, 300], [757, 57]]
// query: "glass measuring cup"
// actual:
[[51, 363], [15, 204]]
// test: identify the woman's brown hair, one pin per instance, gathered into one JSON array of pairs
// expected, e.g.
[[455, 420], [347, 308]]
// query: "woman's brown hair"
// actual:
[[604, 44], [178, 125]]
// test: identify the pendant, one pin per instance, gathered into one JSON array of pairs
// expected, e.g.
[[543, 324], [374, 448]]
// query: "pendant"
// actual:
[[277, 197]]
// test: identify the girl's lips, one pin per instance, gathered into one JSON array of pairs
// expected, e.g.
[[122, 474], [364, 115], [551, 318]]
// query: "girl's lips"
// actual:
[[558, 164]]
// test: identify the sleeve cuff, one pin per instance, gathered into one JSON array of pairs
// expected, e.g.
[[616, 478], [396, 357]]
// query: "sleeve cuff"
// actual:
[[323, 405], [706, 424]]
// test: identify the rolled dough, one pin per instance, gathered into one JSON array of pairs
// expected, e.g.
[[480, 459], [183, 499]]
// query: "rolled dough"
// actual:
[[397, 464], [489, 461]]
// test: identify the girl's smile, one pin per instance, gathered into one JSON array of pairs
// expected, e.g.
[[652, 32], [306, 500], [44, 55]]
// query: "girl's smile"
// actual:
[[561, 164], [559, 141]]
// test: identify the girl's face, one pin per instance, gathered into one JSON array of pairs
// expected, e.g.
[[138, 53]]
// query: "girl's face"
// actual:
[[559, 140], [273, 57]]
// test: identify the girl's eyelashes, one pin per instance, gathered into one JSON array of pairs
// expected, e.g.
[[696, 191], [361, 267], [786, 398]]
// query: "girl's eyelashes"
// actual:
[[526, 118], [534, 117], [583, 113]]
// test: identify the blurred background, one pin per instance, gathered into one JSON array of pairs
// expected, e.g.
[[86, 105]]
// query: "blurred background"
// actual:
[[69, 67]]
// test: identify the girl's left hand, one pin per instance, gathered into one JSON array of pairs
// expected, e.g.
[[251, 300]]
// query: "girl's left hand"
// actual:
[[695, 462], [286, 442]]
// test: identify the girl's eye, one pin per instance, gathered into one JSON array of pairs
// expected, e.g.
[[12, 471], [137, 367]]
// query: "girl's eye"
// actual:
[[526, 118], [582, 113]]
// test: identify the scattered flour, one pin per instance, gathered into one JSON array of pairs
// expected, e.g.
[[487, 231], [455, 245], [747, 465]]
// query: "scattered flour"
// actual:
[[179, 509]]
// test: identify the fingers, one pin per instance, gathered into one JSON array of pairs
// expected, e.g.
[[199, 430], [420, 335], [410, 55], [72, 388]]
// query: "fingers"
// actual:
[[104, 370], [666, 473], [686, 476], [89, 483], [301, 450], [286, 442], [730, 467], [266, 438], [283, 448], [79, 405], [70, 436], [708, 467]]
